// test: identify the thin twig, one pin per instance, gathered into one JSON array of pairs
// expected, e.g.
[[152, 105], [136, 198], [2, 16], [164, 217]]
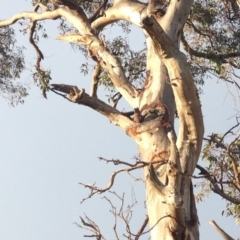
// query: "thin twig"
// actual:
[[137, 165]]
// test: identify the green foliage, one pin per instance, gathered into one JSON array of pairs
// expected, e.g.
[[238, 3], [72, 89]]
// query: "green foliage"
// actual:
[[213, 31], [42, 79], [233, 210], [220, 157], [11, 66]]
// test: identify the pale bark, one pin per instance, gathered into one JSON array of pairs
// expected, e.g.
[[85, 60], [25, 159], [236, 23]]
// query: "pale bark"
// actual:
[[224, 235], [169, 86]]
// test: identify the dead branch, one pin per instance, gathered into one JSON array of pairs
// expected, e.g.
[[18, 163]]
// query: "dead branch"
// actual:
[[95, 190], [114, 212], [220, 231], [91, 226], [124, 214], [140, 232], [118, 162], [79, 96], [230, 130]]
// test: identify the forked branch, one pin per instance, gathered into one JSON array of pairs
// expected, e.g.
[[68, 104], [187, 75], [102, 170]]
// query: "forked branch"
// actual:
[[96, 190], [90, 226], [94, 45]]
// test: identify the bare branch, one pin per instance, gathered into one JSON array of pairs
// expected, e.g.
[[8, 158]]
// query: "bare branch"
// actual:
[[118, 162], [114, 212], [91, 226], [140, 232], [80, 97], [220, 231], [230, 130], [96, 190]]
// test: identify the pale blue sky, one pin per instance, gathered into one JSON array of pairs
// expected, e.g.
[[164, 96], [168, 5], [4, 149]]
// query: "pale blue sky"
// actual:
[[48, 146]]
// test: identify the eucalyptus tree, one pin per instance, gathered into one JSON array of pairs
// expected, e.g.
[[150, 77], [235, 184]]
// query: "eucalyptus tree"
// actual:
[[158, 82]]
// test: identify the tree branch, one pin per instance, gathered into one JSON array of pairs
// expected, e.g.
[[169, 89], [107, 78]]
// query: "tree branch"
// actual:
[[108, 62], [80, 97], [220, 231], [177, 13], [188, 106], [96, 48], [214, 187], [210, 56], [33, 16], [96, 190], [140, 232], [126, 10], [91, 226]]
